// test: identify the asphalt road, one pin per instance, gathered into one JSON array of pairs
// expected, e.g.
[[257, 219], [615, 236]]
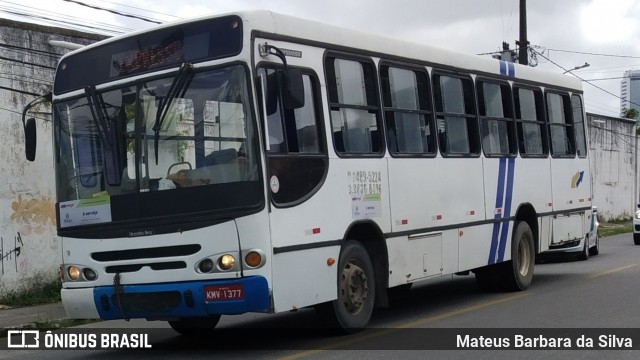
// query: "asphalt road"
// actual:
[[568, 299]]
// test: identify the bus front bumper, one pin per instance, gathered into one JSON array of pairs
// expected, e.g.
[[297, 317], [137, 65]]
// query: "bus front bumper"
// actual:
[[168, 300]]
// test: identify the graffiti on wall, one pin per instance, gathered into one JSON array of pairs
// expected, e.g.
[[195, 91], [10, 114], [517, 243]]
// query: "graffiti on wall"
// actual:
[[33, 216], [9, 254]]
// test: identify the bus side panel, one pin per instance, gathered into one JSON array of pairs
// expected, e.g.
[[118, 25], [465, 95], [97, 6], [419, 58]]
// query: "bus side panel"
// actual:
[[434, 193], [304, 236], [304, 278], [509, 184], [571, 179]]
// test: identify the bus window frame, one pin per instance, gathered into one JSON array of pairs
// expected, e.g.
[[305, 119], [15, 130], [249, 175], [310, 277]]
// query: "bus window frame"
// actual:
[[364, 61], [544, 137], [429, 113], [566, 100], [322, 153], [473, 136], [513, 133], [584, 124]]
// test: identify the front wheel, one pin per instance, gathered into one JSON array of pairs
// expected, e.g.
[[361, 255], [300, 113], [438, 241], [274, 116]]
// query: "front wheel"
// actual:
[[199, 326], [352, 310], [519, 271], [636, 238]]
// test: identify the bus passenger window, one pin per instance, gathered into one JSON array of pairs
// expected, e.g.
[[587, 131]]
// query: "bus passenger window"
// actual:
[[354, 107], [496, 118], [560, 125], [530, 122], [455, 110], [578, 125], [408, 115]]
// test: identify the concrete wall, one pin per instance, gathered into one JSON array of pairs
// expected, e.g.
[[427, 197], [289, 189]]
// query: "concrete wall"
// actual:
[[29, 248], [612, 150]]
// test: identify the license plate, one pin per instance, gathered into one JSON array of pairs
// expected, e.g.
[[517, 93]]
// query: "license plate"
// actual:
[[224, 292]]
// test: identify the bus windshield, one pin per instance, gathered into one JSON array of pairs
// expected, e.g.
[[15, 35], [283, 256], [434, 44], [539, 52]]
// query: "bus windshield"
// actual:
[[111, 144]]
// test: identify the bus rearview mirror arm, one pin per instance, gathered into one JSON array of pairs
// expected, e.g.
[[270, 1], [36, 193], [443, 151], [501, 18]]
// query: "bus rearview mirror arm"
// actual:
[[293, 86]]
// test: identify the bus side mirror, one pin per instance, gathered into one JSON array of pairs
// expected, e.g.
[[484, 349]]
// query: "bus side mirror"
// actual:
[[293, 92], [30, 139]]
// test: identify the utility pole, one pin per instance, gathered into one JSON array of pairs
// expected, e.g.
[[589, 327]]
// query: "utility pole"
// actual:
[[523, 52]]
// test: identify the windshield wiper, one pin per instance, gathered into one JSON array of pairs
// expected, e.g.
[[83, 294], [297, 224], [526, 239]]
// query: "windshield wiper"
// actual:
[[99, 114], [178, 88]]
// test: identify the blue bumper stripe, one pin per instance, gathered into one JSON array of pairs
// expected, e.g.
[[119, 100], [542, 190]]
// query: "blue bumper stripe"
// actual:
[[142, 301]]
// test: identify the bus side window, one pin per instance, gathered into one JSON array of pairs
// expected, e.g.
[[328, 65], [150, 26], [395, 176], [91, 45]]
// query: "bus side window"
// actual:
[[408, 115], [530, 122], [290, 130], [455, 110], [560, 125], [578, 125], [355, 118], [496, 118]]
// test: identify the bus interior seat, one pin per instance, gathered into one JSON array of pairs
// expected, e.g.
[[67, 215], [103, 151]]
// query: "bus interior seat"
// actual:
[[220, 157]]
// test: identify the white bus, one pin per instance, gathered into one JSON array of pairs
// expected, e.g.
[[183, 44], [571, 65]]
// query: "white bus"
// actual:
[[257, 162]]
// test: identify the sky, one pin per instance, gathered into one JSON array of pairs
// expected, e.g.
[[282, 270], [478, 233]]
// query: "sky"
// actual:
[[565, 33]]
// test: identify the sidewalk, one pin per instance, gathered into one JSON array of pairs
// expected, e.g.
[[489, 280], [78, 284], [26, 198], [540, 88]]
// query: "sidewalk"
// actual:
[[26, 316]]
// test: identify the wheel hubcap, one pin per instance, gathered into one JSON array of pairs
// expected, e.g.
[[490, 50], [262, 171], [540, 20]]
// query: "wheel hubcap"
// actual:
[[524, 257], [354, 288]]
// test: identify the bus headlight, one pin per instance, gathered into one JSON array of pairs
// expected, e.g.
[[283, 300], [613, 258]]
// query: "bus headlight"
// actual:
[[638, 214], [78, 273], [73, 272], [226, 262]]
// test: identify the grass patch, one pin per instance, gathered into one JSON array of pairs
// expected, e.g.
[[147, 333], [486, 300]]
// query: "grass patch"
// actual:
[[622, 227], [36, 293]]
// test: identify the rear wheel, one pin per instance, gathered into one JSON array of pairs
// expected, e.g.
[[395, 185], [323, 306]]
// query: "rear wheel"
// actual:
[[519, 271], [195, 326], [352, 310]]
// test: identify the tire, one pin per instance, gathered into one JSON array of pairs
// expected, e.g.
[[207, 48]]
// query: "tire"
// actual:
[[200, 326], [636, 238], [352, 309], [488, 278], [584, 254], [518, 272], [595, 250]]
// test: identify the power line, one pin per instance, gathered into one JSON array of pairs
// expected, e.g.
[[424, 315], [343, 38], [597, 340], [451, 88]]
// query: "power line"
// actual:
[[594, 54], [114, 12], [588, 82], [19, 91], [137, 8]]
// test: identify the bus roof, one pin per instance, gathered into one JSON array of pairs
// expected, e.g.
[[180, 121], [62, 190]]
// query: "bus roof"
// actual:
[[269, 22]]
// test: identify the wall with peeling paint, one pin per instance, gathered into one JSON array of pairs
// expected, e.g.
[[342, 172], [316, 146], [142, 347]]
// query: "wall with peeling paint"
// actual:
[[612, 152], [29, 247]]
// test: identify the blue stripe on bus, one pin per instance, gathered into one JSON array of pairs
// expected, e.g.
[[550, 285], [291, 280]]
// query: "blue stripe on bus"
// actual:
[[507, 209], [512, 70], [503, 68], [499, 200]]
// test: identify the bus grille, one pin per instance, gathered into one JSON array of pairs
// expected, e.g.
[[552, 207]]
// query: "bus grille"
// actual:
[[170, 265], [147, 253]]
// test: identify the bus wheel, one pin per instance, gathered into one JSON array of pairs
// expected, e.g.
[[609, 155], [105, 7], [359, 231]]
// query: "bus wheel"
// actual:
[[195, 326], [351, 311], [519, 271]]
